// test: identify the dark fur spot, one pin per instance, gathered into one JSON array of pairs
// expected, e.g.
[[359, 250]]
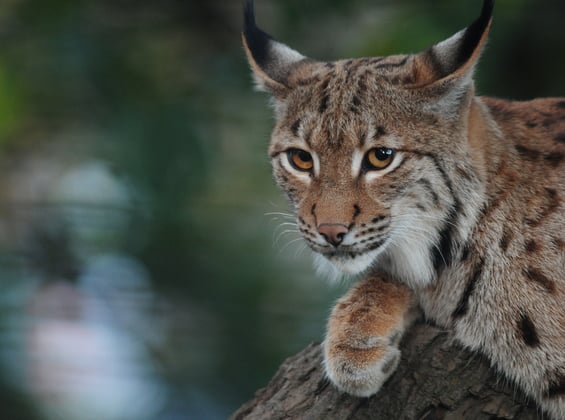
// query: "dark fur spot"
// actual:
[[552, 194], [356, 101], [442, 172], [505, 240], [556, 388], [528, 153], [541, 279], [443, 252], [463, 304], [528, 331], [561, 104], [554, 159], [357, 210], [323, 104], [501, 113], [465, 252], [552, 205], [382, 227], [490, 206], [392, 65], [430, 190], [361, 84], [295, 127], [378, 219], [560, 138], [531, 246], [465, 173], [553, 202], [559, 243], [421, 207], [549, 122], [376, 60], [380, 131], [375, 245], [532, 124]]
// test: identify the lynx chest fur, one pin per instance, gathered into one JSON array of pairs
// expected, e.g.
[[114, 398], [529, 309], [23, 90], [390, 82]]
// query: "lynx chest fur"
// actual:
[[443, 202]]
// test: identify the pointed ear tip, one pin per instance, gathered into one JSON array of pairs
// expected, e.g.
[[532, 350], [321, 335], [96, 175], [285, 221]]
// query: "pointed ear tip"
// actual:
[[248, 15], [486, 12], [488, 6]]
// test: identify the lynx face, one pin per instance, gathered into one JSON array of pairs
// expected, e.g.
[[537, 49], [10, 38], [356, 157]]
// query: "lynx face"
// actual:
[[354, 153], [362, 148]]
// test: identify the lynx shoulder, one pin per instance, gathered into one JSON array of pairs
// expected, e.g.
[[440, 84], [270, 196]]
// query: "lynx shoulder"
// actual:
[[441, 201]]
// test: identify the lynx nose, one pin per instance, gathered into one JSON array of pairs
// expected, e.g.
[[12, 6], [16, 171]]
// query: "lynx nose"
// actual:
[[333, 232]]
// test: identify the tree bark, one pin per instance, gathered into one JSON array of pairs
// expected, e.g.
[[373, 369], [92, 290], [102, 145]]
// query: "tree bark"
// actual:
[[436, 379]]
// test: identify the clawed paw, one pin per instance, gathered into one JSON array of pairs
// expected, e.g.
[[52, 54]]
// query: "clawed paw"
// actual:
[[360, 371], [364, 331]]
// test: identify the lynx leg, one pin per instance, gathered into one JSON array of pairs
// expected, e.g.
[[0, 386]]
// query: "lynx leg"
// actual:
[[364, 329]]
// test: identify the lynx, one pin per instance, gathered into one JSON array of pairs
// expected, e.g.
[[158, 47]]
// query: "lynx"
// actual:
[[444, 203]]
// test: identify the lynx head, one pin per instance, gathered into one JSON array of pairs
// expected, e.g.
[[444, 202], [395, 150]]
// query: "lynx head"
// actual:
[[365, 148]]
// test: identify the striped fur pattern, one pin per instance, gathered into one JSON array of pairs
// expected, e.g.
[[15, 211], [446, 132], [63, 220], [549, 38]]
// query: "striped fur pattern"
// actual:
[[439, 199]]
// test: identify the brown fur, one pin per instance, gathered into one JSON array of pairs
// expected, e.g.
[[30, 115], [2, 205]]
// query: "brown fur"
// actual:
[[467, 221]]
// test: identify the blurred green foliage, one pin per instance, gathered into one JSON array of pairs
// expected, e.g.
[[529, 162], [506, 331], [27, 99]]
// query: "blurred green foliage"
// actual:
[[161, 90]]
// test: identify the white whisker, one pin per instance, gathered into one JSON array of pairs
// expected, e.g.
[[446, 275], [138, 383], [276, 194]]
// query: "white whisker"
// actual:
[[288, 244], [300, 250], [284, 232], [280, 214]]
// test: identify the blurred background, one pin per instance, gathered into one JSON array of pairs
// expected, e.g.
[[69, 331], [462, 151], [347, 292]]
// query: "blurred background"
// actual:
[[146, 270]]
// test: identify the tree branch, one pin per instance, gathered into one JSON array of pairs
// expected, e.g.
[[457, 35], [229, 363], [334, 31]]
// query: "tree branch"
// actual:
[[435, 380]]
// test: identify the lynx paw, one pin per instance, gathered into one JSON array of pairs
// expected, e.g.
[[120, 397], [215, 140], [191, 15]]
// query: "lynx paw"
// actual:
[[364, 330], [360, 371]]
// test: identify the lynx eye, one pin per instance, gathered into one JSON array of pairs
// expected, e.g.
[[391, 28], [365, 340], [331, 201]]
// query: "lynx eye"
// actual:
[[300, 160], [378, 158]]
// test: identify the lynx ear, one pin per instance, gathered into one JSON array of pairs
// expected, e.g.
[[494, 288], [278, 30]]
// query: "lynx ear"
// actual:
[[456, 57], [270, 60]]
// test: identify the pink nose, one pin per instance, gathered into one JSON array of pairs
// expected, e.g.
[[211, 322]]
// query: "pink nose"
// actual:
[[333, 232]]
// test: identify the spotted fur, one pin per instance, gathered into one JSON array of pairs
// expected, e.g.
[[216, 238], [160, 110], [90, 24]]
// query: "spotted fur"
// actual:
[[463, 215]]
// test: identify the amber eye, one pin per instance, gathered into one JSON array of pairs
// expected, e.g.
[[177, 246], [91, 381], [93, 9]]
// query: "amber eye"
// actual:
[[378, 158], [300, 160]]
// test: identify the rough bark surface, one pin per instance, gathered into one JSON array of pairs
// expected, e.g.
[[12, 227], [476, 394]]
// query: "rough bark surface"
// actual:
[[436, 379]]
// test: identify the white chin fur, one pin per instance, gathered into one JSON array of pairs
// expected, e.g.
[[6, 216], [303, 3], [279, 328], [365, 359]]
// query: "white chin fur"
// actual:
[[336, 268]]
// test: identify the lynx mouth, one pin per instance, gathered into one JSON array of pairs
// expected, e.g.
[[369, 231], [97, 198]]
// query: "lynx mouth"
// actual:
[[349, 261], [350, 252], [339, 264]]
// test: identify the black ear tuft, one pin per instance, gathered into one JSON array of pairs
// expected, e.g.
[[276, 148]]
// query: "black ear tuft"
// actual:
[[455, 57], [272, 62], [258, 41], [474, 33]]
